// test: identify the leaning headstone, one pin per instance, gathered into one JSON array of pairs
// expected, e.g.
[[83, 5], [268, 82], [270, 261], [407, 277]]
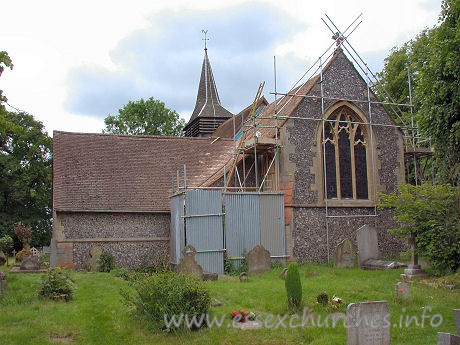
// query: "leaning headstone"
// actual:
[[258, 260], [30, 263], [345, 254], [95, 253], [368, 248], [402, 290], [283, 273], [448, 339], [365, 323], [188, 263], [3, 283], [243, 277]]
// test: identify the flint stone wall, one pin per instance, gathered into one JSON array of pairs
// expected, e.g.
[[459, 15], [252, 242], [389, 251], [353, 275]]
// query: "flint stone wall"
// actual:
[[302, 158], [117, 225]]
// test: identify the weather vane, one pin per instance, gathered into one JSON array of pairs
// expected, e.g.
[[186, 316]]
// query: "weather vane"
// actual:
[[205, 39]]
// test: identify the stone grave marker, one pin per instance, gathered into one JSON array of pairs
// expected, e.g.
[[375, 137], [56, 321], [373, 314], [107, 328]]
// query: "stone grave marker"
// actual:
[[368, 247], [402, 290], [345, 254], [448, 339], [258, 260], [3, 283], [368, 323], [53, 251], [95, 253], [188, 263], [243, 277], [30, 263]]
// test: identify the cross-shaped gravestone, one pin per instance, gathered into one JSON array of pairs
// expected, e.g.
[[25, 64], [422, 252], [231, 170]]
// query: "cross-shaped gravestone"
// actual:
[[54, 251]]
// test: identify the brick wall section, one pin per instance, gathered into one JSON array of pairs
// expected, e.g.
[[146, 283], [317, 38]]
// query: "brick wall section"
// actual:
[[117, 225]]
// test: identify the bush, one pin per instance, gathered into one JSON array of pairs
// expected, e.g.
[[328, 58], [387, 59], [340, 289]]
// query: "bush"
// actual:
[[106, 262], [170, 294], [20, 255], [430, 214], [293, 286], [235, 267], [57, 285]]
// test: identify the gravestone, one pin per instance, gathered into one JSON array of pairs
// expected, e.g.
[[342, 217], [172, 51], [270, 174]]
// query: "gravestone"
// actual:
[[30, 263], [368, 247], [210, 276], [3, 283], [448, 339], [95, 253], [366, 323], [402, 290], [344, 254], [258, 260], [53, 251], [188, 263], [243, 277]]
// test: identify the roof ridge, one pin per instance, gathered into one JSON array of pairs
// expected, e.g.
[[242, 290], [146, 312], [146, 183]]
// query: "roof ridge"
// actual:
[[141, 136]]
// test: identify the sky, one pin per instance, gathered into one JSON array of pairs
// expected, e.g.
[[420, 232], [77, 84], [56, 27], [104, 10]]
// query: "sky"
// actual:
[[77, 62]]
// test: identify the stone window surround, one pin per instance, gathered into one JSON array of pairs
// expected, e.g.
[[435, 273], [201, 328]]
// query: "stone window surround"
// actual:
[[318, 165]]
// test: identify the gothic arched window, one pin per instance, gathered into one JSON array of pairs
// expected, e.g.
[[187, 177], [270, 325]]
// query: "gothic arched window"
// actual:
[[345, 152]]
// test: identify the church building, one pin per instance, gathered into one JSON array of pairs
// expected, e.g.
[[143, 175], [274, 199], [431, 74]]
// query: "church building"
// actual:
[[327, 147]]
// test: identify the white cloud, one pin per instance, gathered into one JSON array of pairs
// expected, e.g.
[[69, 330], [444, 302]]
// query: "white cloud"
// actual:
[[52, 40]]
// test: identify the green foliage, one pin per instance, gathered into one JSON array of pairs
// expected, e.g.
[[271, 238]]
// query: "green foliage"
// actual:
[[430, 213], [170, 294], [235, 267], [438, 91], [433, 57], [106, 262], [57, 285], [323, 299], [293, 286], [5, 61], [6, 244], [25, 176], [149, 117]]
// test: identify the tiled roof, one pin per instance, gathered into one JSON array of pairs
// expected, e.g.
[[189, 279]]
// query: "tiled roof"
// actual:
[[104, 172]]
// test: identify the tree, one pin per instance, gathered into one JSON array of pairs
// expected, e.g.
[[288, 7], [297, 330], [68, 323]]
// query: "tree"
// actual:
[[25, 176], [5, 61], [433, 58], [438, 91], [149, 117], [428, 215]]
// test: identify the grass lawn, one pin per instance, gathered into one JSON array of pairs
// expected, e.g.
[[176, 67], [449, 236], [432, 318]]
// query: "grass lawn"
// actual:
[[98, 316]]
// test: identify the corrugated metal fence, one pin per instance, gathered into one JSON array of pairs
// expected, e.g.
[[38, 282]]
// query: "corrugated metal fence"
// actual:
[[250, 219]]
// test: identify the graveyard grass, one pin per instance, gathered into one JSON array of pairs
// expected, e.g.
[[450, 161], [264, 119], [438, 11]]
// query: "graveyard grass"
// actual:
[[98, 316]]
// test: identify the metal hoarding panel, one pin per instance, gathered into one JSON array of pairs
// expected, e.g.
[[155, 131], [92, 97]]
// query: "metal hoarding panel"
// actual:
[[272, 223], [204, 229], [242, 224], [177, 227]]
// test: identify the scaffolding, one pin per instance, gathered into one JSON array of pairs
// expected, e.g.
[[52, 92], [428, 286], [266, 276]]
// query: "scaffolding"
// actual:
[[248, 140]]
